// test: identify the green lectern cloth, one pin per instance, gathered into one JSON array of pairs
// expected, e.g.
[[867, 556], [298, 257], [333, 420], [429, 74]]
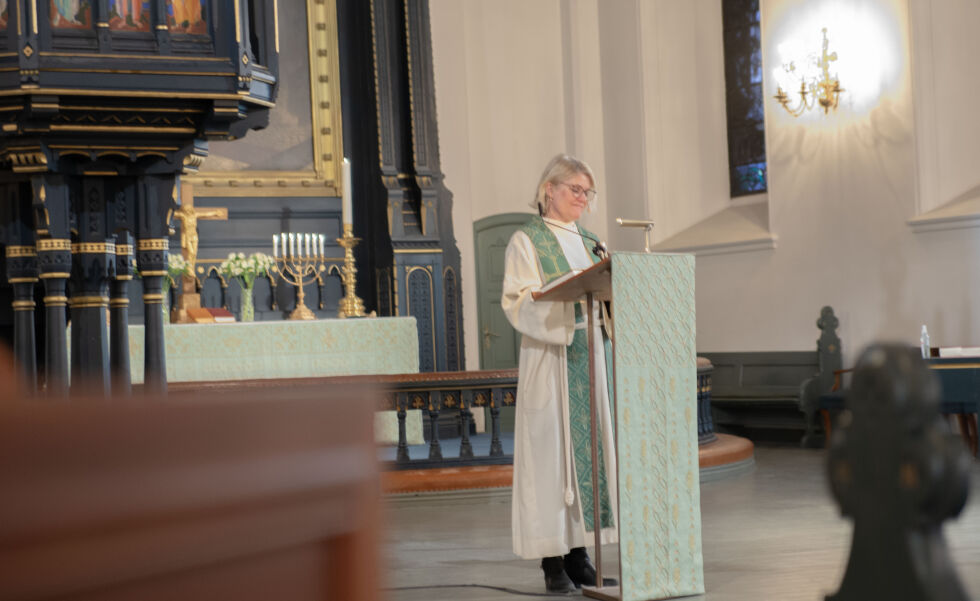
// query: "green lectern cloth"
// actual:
[[656, 428]]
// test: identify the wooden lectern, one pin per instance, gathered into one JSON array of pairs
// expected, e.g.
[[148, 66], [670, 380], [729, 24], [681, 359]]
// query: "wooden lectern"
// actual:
[[655, 390]]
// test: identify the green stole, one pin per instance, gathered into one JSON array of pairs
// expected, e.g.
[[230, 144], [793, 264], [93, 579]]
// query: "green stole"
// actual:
[[554, 264]]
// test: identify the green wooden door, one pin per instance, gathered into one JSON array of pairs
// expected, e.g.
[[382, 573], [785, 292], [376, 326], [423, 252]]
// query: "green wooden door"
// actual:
[[499, 343]]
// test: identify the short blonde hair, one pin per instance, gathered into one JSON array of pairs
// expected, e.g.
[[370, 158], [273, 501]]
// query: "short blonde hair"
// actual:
[[559, 169]]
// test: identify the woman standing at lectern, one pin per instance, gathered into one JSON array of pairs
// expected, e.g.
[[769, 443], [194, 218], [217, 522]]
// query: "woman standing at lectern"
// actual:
[[552, 512]]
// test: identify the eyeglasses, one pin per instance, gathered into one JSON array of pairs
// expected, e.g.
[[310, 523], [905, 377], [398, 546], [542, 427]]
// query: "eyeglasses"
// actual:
[[580, 191]]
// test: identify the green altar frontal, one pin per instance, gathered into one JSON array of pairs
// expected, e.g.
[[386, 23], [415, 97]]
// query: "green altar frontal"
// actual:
[[291, 349], [283, 349]]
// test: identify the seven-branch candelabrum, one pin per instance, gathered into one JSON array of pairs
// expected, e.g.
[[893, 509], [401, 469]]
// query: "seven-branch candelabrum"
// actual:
[[300, 260], [351, 305]]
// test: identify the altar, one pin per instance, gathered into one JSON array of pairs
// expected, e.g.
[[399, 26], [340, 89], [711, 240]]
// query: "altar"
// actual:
[[283, 349], [291, 349]]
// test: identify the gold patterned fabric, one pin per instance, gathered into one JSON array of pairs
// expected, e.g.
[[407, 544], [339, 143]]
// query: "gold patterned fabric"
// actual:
[[656, 428], [291, 349], [283, 349]]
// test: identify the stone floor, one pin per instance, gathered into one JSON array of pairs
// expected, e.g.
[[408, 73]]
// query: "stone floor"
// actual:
[[773, 534]]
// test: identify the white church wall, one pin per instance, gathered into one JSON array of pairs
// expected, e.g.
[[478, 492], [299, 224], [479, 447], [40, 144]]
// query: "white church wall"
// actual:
[[516, 83], [945, 73], [643, 82], [841, 188], [685, 127]]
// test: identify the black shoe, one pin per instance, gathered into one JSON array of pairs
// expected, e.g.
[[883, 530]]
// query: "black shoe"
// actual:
[[555, 578], [580, 570]]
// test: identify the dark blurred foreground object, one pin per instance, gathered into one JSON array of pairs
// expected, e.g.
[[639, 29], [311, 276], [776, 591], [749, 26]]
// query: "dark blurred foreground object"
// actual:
[[244, 496], [898, 473]]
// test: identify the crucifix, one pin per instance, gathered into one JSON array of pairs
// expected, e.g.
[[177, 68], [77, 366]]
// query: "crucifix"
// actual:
[[188, 215]]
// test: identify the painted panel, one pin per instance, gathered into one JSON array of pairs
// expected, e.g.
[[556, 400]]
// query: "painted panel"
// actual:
[[187, 16], [656, 429], [71, 14], [129, 15], [4, 14]]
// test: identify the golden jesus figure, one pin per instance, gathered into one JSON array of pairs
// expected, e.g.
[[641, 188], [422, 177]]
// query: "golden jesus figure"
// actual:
[[188, 215]]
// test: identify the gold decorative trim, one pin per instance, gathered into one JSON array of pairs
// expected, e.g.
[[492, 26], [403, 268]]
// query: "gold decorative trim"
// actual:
[[238, 21], [115, 109], [89, 301], [143, 72], [54, 275], [93, 247], [34, 15], [124, 278], [119, 302], [25, 90], [105, 173], [124, 249], [23, 305], [416, 251], [55, 300], [21, 251], [21, 280], [127, 129], [47, 244], [326, 124], [153, 244], [135, 57], [93, 148], [156, 297], [154, 273], [275, 21], [263, 184], [27, 162]]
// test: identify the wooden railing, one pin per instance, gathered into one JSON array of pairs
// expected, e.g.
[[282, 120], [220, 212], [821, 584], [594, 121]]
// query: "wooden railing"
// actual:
[[456, 393]]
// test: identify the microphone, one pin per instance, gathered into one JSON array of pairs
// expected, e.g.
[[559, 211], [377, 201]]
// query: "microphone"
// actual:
[[646, 224], [599, 247]]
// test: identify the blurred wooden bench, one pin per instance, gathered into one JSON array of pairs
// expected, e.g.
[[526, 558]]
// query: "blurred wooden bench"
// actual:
[[244, 495], [775, 390]]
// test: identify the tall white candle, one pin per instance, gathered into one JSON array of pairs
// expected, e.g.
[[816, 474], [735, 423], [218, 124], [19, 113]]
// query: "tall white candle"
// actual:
[[347, 214], [321, 236], [292, 244], [307, 236], [275, 245]]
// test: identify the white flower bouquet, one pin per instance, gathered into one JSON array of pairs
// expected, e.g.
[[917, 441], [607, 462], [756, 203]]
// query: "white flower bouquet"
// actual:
[[177, 266], [246, 269]]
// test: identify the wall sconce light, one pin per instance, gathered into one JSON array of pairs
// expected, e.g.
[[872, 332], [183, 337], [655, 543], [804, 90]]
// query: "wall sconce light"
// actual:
[[816, 89]]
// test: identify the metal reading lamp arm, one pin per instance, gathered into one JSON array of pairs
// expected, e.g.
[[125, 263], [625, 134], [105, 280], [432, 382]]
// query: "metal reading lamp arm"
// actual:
[[646, 224]]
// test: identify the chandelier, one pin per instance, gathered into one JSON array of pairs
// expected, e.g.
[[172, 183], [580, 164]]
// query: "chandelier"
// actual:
[[817, 87]]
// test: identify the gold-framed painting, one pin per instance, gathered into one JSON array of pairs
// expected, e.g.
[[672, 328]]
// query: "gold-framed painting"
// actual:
[[300, 153]]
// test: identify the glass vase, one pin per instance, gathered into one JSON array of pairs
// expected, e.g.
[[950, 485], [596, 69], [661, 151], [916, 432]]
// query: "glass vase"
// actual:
[[165, 301], [248, 305]]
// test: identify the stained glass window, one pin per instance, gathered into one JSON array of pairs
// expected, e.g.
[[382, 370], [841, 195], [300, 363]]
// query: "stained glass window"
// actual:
[[743, 91]]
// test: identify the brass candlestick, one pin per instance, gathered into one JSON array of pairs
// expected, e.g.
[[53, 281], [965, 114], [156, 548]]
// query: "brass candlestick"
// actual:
[[351, 305], [299, 268]]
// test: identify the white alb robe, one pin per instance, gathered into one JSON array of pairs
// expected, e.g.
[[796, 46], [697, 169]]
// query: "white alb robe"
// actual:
[[543, 525]]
